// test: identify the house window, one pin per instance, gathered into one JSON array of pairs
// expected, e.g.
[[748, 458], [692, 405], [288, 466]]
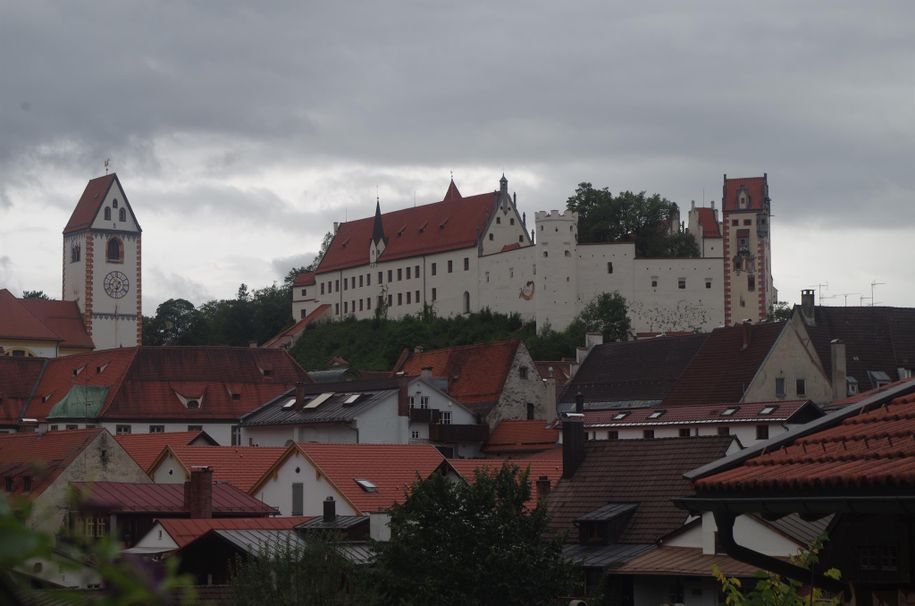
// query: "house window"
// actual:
[[195, 427], [399, 274], [735, 222], [408, 273], [530, 411], [417, 296], [380, 277], [236, 435], [360, 281], [444, 417], [498, 220], [648, 434], [613, 435], [409, 296], [546, 254], [400, 298], [122, 215], [762, 432], [424, 402], [609, 267], [361, 304], [390, 275], [53, 428], [434, 294], [107, 214], [684, 432], [708, 282], [748, 222], [157, 429], [380, 301], [681, 283], [74, 253], [779, 387], [729, 411], [353, 281], [450, 266], [121, 429], [368, 279], [298, 498], [522, 372], [345, 284], [654, 281], [114, 251], [390, 300], [304, 292], [434, 269], [491, 237], [368, 303], [346, 307], [521, 239], [724, 431], [801, 387], [336, 309], [114, 203], [322, 288], [466, 263], [414, 435], [416, 271], [466, 302]]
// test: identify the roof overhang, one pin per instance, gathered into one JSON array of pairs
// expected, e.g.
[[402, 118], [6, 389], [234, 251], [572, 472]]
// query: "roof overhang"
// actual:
[[812, 507]]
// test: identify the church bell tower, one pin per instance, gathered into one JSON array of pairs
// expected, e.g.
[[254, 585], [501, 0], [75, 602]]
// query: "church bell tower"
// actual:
[[101, 264]]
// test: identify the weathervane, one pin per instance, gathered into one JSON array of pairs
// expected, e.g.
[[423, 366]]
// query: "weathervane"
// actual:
[[107, 164]]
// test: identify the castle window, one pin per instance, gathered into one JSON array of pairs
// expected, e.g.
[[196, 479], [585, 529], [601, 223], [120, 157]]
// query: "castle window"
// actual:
[[114, 251], [304, 292], [380, 277], [681, 283], [546, 254], [345, 283], [450, 266], [466, 302], [491, 237], [735, 222], [380, 301], [114, 203], [368, 279], [337, 309], [751, 282], [360, 281], [708, 282], [408, 273], [322, 288], [654, 281], [390, 275], [409, 296], [346, 307], [466, 263], [361, 304], [390, 300], [521, 239], [400, 298], [434, 269], [399, 274], [748, 222], [353, 281], [609, 267], [499, 220], [336, 285], [434, 294], [417, 296], [416, 271], [74, 253], [122, 215], [107, 214], [302, 314], [511, 221]]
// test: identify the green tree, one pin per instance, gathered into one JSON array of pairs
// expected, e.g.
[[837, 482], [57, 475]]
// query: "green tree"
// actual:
[[34, 294], [645, 220], [177, 322], [607, 314], [454, 543], [779, 311], [325, 243]]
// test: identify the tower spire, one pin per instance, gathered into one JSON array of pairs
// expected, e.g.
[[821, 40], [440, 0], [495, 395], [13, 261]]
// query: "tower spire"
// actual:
[[378, 228]]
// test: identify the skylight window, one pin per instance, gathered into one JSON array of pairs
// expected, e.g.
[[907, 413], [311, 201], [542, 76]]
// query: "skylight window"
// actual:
[[657, 414], [768, 410], [366, 485], [319, 399], [620, 416], [729, 411], [352, 398], [289, 403]]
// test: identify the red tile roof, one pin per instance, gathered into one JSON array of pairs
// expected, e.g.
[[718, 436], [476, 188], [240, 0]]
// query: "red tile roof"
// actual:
[[475, 373], [184, 530], [725, 365], [17, 322], [757, 188], [697, 413], [18, 377], [709, 222], [515, 436], [547, 463], [451, 224], [41, 456], [89, 203], [286, 337], [145, 448], [64, 319], [241, 466], [306, 278], [134, 497], [647, 472], [392, 468], [873, 450], [558, 370]]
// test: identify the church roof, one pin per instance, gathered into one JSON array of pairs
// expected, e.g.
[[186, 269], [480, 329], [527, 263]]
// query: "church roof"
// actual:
[[63, 318], [454, 223], [89, 203]]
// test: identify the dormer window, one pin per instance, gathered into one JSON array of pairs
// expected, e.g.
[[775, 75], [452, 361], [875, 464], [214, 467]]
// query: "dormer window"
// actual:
[[729, 411], [743, 198]]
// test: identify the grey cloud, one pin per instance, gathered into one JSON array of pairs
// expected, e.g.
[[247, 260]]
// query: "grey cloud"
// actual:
[[283, 265]]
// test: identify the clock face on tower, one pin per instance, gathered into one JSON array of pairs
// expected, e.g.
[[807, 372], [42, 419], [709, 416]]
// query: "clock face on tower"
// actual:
[[116, 284]]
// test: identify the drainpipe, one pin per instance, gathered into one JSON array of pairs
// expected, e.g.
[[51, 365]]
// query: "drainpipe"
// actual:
[[725, 522]]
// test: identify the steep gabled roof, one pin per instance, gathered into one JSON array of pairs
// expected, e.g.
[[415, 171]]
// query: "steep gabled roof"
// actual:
[[756, 187], [725, 365], [707, 219], [306, 278], [18, 378], [63, 318], [17, 322], [89, 203], [519, 436], [41, 456], [289, 335], [184, 530], [451, 224], [241, 466], [647, 472], [633, 370], [145, 448], [475, 373], [157, 499]]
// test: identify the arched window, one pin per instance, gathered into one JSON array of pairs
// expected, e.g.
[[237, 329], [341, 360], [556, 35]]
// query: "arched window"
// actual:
[[466, 302], [114, 203], [114, 252], [122, 215], [107, 214]]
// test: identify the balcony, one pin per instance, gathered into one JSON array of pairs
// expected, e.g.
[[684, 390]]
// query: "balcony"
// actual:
[[424, 415], [458, 433]]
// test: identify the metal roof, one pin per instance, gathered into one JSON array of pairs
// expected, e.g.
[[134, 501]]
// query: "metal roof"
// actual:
[[333, 410], [608, 512], [602, 556]]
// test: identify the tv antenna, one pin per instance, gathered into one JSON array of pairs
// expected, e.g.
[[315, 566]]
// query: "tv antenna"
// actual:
[[820, 288], [874, 285], [846, 295]]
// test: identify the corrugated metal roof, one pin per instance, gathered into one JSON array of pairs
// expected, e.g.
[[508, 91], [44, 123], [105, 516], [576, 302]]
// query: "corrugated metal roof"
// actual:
[[684, 561], [608, 512], [339, 523], [603, 556], [134, 497], [262, 542], [333, 410]]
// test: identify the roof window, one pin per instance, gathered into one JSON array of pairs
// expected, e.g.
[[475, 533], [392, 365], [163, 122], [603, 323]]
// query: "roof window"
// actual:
[[729, 411], [768, 410], [620, 416], [319, 399], [289, 403], [78, 370], [366, 485], [353, 398], [657, 414]]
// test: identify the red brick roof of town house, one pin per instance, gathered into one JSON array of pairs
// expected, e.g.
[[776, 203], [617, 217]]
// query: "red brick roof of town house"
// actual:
[[64, 319], [305, 278], [725, 365], [756, 187], [391, 468], [145, 448], [17, 322], [863, 395], [184, 530], [647, 472], [241, 466], [547, 463], [41, 456], [558, 370], [872, 450], [475, 373], [452, 224], [287, 336], [876, 339], [520, 436], [156, 499], [633, 370], [710, 226], [784, 411], [89, 203], [18, 377]]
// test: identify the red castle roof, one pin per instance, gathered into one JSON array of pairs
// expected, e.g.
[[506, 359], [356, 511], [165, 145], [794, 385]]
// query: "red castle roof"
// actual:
[[756, 187], [17, 322], [710, 226]]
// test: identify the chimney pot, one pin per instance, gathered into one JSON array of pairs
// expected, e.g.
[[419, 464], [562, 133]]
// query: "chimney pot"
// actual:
[[807, 305], [330, 509], [839, 370]]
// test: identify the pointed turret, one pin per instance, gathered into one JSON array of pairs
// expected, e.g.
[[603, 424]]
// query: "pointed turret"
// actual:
[[503, 184], [378, 228], [452, 193]]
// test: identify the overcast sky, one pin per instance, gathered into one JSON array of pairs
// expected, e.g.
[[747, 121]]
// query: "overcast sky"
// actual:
[[241, 130]]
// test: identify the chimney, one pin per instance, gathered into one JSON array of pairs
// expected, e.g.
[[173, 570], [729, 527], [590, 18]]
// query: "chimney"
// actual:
[[336, 226], [426, 373], [573, 439], [330, 510], [839, 370], [745, 335], [807, 301], [592, 339], [198, 493], [543, 487], [299, 394]]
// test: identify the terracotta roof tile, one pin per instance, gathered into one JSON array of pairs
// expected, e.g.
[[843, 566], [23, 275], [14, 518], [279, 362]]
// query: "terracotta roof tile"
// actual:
[[648, 472], [725, 365], [185, 530], [756, 186], [241, 466], [18, 377], [17, 322], [475, 373], [451, 224], [547, 463], [306, 278], [709, 222], [517, 436], [89, 203], [63, 318], [41, 456], [392, 468], [134, 497], [145, 448], [871, 450], [288, 335]]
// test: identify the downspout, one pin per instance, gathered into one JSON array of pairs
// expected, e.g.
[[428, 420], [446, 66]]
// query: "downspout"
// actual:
[[725, 522]]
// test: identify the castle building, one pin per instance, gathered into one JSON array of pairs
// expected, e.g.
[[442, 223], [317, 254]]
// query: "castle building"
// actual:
[[465, 254], [101, 264]]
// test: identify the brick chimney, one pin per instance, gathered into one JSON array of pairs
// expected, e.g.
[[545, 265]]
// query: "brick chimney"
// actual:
[[573, 438], [299, 394], [839, 370], [807, 306], [330, 510], [198, 493]]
